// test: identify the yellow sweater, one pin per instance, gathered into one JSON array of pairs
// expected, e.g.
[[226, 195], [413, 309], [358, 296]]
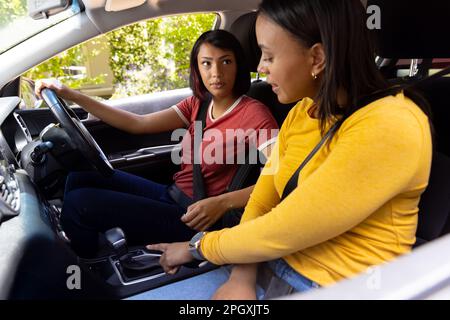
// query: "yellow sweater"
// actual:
[[356, 202]]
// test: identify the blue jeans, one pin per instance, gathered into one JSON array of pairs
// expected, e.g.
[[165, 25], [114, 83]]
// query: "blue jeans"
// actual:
[[204, 286], [142, 208], [298, 282]]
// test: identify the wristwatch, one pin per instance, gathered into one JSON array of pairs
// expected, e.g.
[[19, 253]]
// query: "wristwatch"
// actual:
[[194, 246]]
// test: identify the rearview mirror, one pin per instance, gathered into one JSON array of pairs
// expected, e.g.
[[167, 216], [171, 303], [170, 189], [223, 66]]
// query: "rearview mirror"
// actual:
[[42, 9]]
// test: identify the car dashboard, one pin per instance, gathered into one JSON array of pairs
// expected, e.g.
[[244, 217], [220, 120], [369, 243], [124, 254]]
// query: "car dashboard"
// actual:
[[36, 260], [13, 137]]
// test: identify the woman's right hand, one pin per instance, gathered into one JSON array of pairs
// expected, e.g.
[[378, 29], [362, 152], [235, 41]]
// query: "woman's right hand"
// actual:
[[60, 89], [204, 213]]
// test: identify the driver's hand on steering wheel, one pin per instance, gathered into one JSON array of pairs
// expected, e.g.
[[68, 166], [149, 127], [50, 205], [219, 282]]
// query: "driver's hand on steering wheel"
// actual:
[[61, 90]]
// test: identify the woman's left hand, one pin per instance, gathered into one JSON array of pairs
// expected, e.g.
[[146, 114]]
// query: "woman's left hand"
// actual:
[[174, 255], [235, 290], [204, 213]]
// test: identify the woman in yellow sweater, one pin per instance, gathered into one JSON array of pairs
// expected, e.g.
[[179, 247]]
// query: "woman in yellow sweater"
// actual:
[[355, 203]]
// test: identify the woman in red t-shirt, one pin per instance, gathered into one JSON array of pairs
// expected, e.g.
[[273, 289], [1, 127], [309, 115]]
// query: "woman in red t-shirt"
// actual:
[[149, 212]]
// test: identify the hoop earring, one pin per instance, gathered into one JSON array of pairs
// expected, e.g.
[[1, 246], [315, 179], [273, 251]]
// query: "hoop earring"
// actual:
[[314, 76]]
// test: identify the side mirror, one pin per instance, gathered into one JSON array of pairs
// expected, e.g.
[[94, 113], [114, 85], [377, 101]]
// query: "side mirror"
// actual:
[[42, 9]]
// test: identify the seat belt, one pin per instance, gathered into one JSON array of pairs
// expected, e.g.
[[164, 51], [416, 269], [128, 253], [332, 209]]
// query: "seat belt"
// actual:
[[246, 175], [199, 189], [293, 181], [231, 217]]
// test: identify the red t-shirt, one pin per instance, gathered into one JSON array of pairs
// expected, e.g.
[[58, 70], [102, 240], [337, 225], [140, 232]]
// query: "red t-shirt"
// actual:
[[220, 147]]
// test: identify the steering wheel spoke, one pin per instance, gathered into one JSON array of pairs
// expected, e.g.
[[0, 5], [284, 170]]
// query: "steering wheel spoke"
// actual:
[[73, 126]]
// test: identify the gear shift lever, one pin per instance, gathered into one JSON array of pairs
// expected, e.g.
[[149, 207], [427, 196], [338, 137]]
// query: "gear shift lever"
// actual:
[[129, 260], [116, 240]]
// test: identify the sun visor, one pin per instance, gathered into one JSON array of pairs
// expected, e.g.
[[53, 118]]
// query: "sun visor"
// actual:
[[120, 5]]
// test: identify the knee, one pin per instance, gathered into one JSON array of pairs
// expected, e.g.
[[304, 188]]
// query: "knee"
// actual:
[[75, 206], [73, 181], [81, 179], [76, 176]]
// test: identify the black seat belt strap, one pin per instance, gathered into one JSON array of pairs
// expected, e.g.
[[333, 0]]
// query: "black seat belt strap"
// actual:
[[199, 189], [293, 181]]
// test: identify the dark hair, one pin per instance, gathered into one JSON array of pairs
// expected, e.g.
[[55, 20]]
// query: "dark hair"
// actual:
[[224, 40], [340, 26]]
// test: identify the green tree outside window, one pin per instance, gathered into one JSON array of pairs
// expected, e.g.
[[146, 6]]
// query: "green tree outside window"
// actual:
[[144, 57]]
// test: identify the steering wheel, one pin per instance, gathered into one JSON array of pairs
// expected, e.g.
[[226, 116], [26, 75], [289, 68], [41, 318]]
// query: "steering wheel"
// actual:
[[81, 137]]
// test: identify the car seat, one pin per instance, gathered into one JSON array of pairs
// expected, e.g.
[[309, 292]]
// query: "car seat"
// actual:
[[410, 31]]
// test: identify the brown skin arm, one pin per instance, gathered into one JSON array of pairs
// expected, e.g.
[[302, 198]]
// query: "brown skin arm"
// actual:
[[160, 121]]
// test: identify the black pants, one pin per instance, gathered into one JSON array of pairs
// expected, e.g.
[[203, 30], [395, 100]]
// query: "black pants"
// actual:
[[142, 208]]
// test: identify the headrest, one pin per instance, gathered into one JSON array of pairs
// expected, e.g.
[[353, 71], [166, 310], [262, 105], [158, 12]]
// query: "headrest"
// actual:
[[244, 30], [413, 31]]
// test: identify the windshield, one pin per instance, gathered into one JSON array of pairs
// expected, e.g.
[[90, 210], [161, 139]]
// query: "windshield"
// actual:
[[16, 26]]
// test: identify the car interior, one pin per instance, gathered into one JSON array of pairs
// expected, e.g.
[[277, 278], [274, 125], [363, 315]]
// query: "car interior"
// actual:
[[38, 147]]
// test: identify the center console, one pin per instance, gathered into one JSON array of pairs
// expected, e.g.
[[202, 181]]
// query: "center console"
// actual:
[[38, 262], [129, 266], [131, 270]]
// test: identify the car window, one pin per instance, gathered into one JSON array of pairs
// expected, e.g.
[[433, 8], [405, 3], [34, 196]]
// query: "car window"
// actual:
[[144, 57]]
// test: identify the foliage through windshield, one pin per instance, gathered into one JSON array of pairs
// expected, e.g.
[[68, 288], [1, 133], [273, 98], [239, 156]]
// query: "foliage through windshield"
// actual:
[[16, 26], [145, 57]]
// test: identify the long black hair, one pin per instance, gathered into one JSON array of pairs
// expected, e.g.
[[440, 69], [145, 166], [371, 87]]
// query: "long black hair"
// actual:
[[340, 26], [224, 40]]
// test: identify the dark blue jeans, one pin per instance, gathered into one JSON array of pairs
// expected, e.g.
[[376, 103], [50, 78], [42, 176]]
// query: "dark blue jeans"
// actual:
[[142, 208]]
